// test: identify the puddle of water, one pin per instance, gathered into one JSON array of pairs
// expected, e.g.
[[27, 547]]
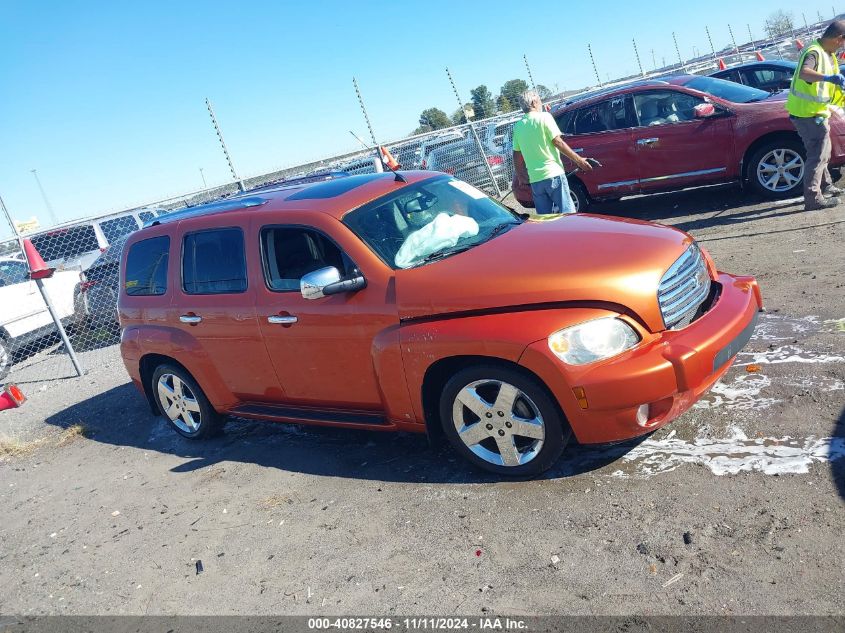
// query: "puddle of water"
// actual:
[[780, 327], [728, 456]]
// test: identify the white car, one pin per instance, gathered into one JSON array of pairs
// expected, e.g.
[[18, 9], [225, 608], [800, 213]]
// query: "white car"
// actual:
[[24, 317]]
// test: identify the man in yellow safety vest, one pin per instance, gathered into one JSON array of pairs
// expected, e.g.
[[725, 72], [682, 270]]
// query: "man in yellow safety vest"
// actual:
[[816, 85]]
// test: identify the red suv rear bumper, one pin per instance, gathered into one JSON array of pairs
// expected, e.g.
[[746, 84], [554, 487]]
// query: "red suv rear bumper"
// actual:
[[668, 373]]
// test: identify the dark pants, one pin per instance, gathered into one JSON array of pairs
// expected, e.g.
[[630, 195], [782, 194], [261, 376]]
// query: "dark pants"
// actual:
[[816, 139]]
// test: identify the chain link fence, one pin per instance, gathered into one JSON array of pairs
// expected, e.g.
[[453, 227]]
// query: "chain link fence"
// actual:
[[85, 253]]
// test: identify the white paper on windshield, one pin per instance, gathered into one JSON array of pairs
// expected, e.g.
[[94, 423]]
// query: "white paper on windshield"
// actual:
[[443, 231], [468, 189]]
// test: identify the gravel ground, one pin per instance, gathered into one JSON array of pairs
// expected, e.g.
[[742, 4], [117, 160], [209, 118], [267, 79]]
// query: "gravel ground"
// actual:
[[735, 508]]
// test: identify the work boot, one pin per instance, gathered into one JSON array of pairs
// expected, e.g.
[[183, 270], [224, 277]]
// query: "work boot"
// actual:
[[831, 191], [827, 203]]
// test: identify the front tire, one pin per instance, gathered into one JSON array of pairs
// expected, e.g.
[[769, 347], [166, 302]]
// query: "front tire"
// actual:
[[776, 169], [181, 400], [502, 421]]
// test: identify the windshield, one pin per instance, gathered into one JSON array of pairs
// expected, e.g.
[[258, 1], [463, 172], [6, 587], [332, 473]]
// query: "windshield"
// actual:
[[727, 90], [428, 220]]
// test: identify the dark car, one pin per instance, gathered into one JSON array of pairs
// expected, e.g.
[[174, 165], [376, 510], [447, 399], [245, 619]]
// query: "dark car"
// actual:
[[95, 299], [771, 76], [464, 161], [684, 131]]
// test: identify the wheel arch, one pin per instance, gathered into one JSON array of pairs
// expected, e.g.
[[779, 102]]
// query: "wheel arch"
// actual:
[[439, 373], [147, 366], [763, 140]]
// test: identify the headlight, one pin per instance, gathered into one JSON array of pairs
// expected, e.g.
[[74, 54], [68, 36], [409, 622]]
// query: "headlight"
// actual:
[[593, 340]]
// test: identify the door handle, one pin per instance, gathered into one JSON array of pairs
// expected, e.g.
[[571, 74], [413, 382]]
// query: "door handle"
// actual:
[[288, 319], [647, 141], [193, 319]]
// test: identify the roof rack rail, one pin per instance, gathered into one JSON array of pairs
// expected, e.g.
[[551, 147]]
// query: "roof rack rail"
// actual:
[[206, 209]]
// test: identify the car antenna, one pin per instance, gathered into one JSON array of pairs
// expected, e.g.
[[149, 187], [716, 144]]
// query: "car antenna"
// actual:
[[398, 177]]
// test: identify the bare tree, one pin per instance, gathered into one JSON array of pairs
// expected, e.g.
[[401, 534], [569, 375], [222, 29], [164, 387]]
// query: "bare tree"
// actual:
[[779, 23]]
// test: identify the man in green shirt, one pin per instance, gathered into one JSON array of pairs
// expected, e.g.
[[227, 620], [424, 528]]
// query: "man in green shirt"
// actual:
[[538, 141]]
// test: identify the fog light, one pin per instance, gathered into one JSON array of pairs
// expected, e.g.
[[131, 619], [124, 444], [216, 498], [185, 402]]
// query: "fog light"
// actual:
[[642, 415]]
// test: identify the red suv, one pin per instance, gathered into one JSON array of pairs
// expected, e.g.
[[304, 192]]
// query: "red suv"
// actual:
[[418, 303], [684, 131]]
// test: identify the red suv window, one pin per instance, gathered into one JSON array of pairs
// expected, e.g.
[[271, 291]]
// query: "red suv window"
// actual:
[[213, 262]]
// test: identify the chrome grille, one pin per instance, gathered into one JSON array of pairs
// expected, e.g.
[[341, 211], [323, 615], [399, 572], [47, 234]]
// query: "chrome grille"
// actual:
[[683, 289]]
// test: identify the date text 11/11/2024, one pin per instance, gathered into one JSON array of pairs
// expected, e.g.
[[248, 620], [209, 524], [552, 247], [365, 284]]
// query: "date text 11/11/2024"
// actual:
[[417, 624]]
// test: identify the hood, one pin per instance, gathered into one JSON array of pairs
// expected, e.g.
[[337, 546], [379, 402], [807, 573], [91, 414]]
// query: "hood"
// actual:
[[579, 257]]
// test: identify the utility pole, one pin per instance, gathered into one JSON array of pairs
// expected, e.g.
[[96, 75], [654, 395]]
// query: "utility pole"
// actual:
[[223, 145], [593, 60], [47, 204], [678, 50], [204, 183], [710, 39], [637, 54], [530, 77]]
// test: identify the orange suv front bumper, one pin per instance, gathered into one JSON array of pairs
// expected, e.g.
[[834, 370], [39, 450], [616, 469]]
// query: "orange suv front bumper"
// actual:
[[649, 386]]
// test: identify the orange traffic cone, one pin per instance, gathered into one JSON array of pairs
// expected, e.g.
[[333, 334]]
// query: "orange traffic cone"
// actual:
[[387, 158], [722, 64], [760, 57], [37, 268], [799, 44]]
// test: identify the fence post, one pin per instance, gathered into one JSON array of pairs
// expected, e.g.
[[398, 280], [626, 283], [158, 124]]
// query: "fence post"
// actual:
[[45, 295], [637, 54], [528, 68], [477, 139], [733, 39], [710, 39]]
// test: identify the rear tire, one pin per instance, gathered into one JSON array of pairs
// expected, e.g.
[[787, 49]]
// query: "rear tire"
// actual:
[[579, 195], [183, 403], [776, 169], [502, 421], [5, 359]]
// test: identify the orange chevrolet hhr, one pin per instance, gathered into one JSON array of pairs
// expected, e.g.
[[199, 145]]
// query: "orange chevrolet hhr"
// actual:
[[414, 302]]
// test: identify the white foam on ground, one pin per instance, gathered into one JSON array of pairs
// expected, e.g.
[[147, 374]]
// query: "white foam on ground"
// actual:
[[735, 454], [786, 354], [742, 393]]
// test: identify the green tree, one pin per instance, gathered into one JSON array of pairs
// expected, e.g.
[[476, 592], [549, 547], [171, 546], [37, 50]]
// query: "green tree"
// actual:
[[421, 130], [779, 23], [544, 92], [434, 118], [458, 117], [482, 102], [510, 92], [504, 104]]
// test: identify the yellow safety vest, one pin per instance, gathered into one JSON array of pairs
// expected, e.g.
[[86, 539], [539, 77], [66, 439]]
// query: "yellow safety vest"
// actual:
[[806, 99]]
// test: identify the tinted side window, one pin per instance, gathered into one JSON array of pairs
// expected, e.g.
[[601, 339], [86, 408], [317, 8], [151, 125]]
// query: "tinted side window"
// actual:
[[601, 117], [565, 121], [146, 267], [66, 243], [662, 106], [290, 253], [213, 262], [12, 273], [118, 227]]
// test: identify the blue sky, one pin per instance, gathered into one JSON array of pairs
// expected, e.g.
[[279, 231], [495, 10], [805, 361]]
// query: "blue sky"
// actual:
[[106, 99]]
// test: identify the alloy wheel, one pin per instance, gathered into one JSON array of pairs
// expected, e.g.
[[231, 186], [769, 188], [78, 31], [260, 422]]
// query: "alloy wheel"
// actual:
[[780, 170], [179, 403], [498, 422]]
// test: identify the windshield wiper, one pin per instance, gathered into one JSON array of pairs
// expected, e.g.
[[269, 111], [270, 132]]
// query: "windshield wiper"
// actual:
[[444, 253], [501, 227]]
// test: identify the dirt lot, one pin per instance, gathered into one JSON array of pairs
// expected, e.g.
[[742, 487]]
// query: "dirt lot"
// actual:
[[736, 508]]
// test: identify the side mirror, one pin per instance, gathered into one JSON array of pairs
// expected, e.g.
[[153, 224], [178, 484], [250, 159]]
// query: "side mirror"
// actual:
[[704, 110], [327, 281]]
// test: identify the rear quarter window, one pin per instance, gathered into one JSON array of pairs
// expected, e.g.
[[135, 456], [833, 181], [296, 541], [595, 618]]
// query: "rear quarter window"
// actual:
[[213, 262], [146, 267]]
